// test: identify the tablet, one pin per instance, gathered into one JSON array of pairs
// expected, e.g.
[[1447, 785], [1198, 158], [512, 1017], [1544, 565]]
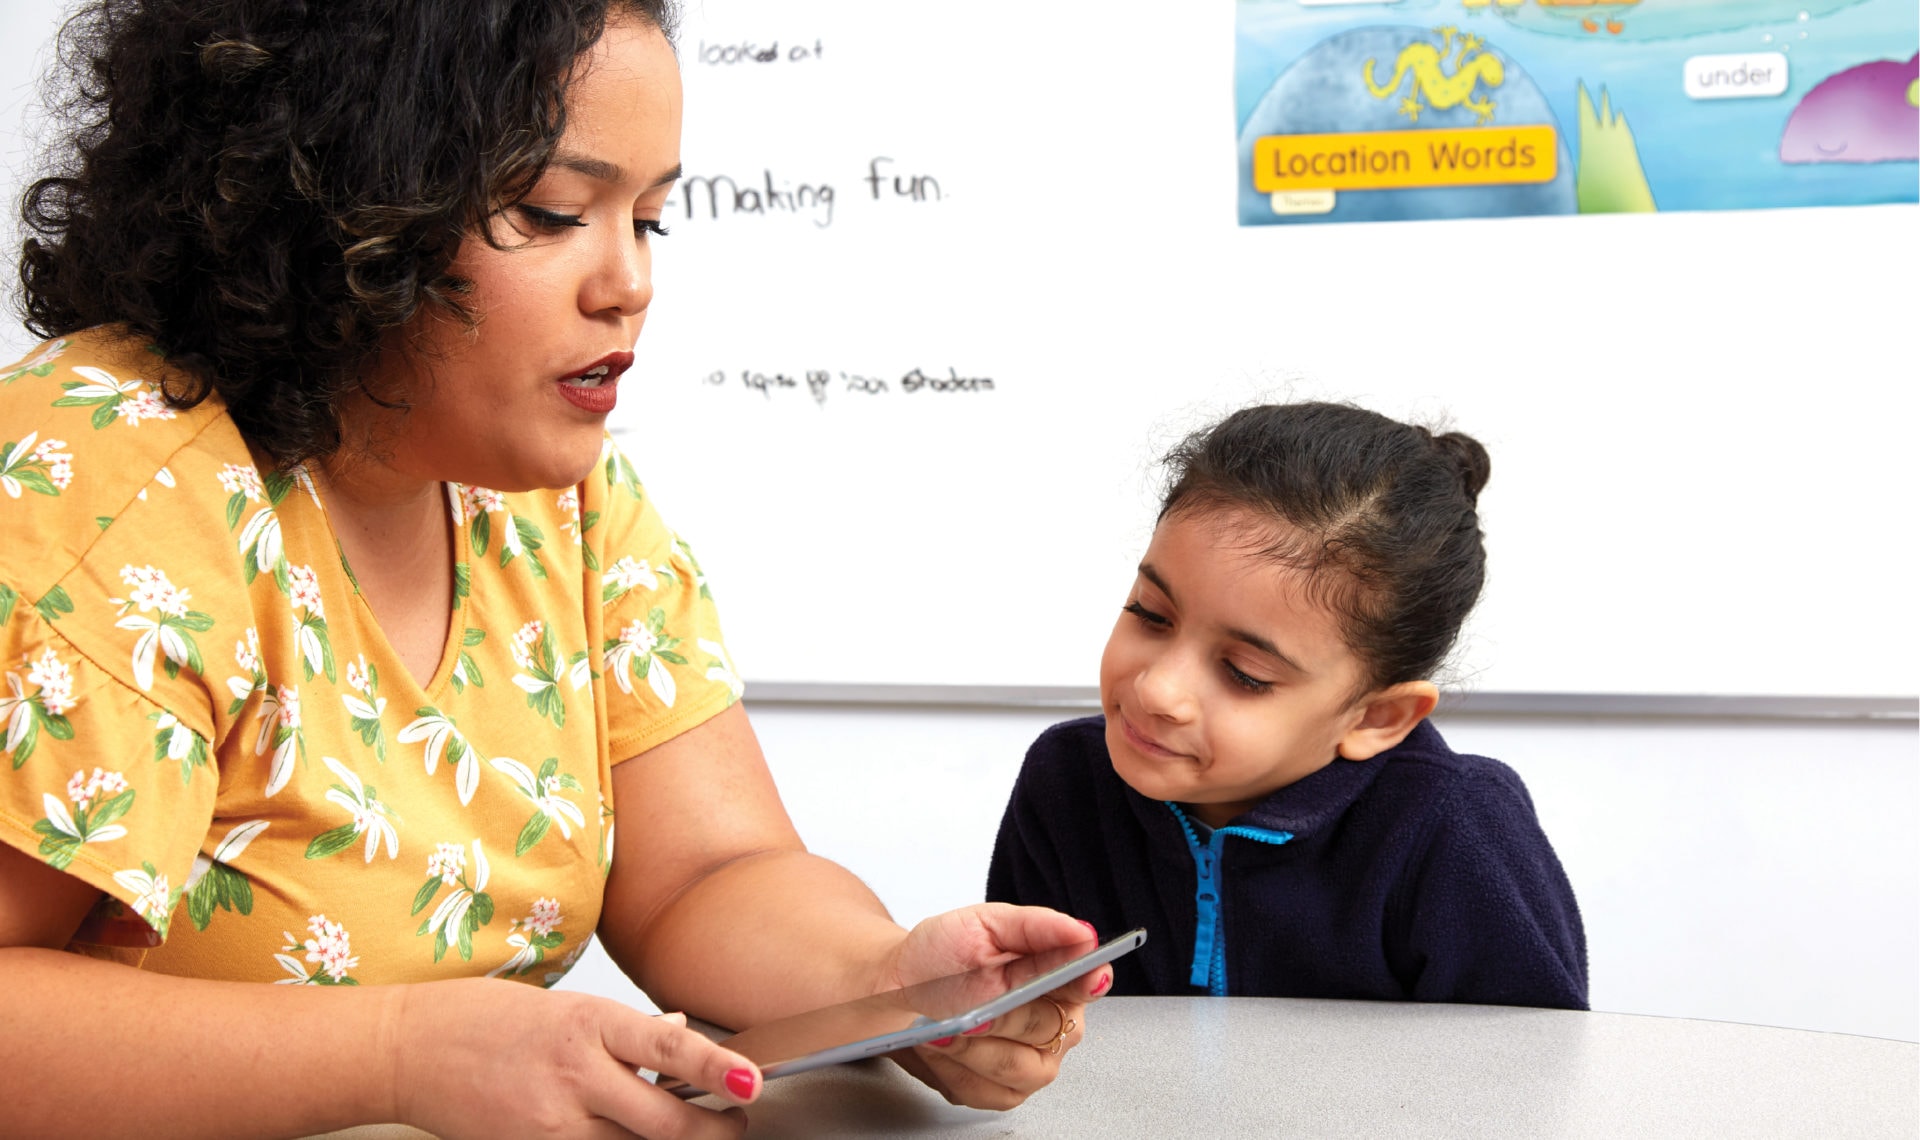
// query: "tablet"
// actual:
[[912, 1015]]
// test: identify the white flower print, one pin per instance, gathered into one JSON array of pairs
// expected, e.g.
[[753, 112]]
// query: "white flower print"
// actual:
[[215, 883], [241, 479], [55, 681], [569, 503], [365, 711], [143, 405], [262, 546], [170, 633], [544, 789], [532, 649], [328, 947], [280, 720], [369, 818], [40, 466], [40, 365], [153, 898], [441, 734], [566, 963], [310, 622], [643, 649], [305, 591], [98, 801], [447, 863], [625, 576], [518, 536], [466, 908], [104, 392], [720, 666], [531, 937]]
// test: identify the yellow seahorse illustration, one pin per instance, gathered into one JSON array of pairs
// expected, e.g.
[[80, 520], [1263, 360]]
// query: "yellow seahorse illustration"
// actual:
[[1443, 89]]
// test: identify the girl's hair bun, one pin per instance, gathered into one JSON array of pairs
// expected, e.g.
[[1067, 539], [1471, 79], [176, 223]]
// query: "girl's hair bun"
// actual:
[[1469, 459]]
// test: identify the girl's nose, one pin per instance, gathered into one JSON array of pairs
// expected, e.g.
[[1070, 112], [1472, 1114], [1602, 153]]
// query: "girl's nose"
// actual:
[[1163, 690]]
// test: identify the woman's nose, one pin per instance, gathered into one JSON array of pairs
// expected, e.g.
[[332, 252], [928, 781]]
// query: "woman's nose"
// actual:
[[621, 278]]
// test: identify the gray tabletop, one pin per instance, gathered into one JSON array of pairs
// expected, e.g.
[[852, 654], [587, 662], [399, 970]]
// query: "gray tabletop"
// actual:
[[1228, 1067]]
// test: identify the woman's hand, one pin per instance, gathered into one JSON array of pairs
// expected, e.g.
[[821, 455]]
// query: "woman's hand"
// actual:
[[482, 1058], [1002, 1063]]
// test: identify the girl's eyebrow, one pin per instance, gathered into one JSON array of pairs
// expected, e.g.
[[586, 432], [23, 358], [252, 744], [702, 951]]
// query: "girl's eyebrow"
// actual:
[[1248, 636]]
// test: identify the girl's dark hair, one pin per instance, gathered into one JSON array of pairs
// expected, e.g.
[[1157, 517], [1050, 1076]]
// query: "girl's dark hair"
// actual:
[[1387, 504], [268, 188]]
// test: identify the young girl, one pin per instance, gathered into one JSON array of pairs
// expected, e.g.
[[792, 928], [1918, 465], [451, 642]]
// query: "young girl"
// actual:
[[1264, 793]]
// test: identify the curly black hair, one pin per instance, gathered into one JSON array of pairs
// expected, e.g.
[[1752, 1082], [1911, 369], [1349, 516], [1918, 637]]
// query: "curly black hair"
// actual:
[[270, 189]]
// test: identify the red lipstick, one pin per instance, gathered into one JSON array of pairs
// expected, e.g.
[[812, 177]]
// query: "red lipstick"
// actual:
[[595, 388]]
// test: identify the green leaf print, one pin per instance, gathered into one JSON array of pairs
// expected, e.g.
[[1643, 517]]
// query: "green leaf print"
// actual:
[[8, 597], [466, 671], [54, 603], [621, 474], [529, 541], [532, 833], [221, 888], [332, 842], [277, 484], [103, 521], [92, 820], [236, 503], [462, 583], [425, 895], [479, 533], [174, 741]]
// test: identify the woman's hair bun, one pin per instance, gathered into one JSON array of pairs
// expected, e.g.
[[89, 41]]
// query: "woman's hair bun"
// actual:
[[1470, 460]]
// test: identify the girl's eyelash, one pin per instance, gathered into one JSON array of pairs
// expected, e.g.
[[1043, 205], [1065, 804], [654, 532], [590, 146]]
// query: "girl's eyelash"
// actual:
[[645, 226], [1251, 684], [1144, 614]]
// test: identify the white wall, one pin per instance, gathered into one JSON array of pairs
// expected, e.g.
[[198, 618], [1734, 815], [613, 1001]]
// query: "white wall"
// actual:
[[1756, 871]]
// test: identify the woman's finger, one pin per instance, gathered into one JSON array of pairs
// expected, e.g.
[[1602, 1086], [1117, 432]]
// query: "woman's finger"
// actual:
[[671, 1049]]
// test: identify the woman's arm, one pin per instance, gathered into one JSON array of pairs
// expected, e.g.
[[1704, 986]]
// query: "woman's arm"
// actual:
[[477, 1057], [714, 906]]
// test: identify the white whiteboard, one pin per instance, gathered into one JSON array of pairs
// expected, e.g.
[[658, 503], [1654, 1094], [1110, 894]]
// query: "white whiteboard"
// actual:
[[1701, 424]]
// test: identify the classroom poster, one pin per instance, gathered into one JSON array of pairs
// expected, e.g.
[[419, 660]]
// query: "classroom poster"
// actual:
[[1386, 110]]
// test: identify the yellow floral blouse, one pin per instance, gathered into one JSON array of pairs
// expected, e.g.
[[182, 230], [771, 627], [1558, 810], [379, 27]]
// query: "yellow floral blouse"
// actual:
[[203, 720]]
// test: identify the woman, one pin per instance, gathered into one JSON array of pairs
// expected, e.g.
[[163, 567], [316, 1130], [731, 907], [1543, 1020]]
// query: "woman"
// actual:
[[337, 633]]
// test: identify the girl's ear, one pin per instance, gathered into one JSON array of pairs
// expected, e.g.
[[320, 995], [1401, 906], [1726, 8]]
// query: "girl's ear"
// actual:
[[1386, 717]]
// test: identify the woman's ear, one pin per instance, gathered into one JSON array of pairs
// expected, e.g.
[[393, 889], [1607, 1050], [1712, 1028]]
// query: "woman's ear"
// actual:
[[1386, 717]]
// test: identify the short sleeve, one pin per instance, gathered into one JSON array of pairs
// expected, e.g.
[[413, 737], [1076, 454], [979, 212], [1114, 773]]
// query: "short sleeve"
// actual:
[[662, 659], [107, 770]]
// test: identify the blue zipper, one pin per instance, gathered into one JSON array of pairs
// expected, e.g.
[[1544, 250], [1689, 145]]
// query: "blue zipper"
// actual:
[[1209, 945]]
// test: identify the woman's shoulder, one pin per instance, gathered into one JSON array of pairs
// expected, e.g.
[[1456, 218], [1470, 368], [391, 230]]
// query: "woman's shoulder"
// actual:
[[86, 438]]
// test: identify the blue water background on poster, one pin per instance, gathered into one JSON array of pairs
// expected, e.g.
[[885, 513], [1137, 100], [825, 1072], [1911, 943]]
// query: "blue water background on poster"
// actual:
[[1716, 154]]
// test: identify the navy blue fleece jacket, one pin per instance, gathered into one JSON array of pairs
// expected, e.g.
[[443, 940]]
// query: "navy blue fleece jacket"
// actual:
[[1421, 874]]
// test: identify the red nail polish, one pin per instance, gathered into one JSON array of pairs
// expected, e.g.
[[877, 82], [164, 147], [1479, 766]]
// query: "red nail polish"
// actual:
[[1089, 926], [1100, 986], [976, 1030], [740, 1082], [941, 1042]]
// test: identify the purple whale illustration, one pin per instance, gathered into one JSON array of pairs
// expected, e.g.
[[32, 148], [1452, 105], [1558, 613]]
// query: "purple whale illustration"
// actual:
[[1862, 114]]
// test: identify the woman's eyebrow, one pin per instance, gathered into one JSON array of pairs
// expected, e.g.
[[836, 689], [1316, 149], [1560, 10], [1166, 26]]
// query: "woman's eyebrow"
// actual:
[[604, 171]]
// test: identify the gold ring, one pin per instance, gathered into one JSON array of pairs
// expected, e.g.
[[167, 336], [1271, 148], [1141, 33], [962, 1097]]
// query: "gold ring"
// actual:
[[1052, 1048]]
